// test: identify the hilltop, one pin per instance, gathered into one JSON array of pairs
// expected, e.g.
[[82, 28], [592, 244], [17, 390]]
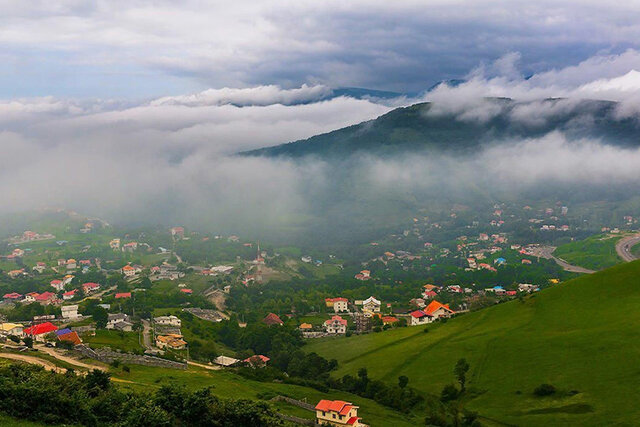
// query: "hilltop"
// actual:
[[427, 126], [581, 337]]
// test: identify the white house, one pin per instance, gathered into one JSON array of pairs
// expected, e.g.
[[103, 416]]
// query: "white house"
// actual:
[[70, 312], [419, 317], [336, 325], [119, 321], [167, 321], [371, 305]]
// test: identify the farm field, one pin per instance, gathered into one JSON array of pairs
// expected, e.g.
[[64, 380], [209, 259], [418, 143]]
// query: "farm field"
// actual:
[[580, 336], [117, 340]]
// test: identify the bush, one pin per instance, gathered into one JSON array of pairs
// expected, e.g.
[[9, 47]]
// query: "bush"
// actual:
[[544, 390], [449, 393], [426, 330]]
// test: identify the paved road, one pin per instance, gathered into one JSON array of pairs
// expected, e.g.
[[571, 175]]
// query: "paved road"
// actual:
[[146, 334], [547, 252], [624, 246]]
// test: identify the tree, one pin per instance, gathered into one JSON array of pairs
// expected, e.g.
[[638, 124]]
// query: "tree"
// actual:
[[449, 393], [460, 371], [403, 381]]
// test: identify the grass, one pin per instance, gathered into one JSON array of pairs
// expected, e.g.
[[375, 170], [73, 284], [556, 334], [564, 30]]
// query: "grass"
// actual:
[[580, 336], [595, 252], [230, 385], [125, 341]]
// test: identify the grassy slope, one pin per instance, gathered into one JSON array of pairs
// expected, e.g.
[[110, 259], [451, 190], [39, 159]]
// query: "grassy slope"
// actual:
[[582, 335], [595, 252], [125, 341]]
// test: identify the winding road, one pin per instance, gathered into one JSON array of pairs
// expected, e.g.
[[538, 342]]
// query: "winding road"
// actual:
[[547, 252], [624, 246]]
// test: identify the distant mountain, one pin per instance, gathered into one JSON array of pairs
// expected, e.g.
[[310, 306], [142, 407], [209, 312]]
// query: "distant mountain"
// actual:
[[426, 126]]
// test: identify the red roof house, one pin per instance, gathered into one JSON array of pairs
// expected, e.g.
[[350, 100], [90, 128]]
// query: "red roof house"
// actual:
[[123, 295], [42, 328], [272, 319]]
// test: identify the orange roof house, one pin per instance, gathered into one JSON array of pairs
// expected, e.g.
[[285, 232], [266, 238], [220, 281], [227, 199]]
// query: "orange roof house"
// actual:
[[438, 310], [337, 413]]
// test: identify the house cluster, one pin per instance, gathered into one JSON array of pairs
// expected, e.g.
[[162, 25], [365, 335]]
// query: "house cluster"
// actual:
[[165, 271], [168, 335], [45, 331], [433, 311]]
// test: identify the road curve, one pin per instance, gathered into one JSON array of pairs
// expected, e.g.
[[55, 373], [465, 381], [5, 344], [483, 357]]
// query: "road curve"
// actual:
[[547, 252], [624, 246]]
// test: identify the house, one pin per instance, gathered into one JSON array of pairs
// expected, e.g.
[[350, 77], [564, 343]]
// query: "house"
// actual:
[[225, 361], [171, 342], [371, 305], [15, 273], [526, 261], [47, 298], [419, 317], [70, 312], [130, 247], [7, 329], [527, 287], [57, 285], [337, 413], [186, 291], [69, 336], [167, 321], [67, 279], [62, 262], [272, 319], [39, 267], [499, 261], [429, 294], [389, 320], [177, 233], [71, 264], [38, 332], [439, 310], [257, 361], [363, 275], [69, 295], [305, 327], [336, 325], [90, 287], [120, 322], [13, 296], [433, 288], [114, 244], [17, 252], [128, 271], [30, 297], [338, 304], [123, 295]]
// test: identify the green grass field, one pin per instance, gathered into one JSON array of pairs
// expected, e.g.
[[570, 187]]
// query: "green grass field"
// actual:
[[230, 385], [595, 252], [581, 336], [125, 341]]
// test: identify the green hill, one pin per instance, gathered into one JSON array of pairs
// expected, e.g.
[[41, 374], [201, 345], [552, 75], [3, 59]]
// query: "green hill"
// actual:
[[424, 127], [582, 336], [595, 252]]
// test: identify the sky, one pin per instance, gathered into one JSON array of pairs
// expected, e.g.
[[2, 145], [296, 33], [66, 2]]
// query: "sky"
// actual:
[[148, 49], [134, 110]]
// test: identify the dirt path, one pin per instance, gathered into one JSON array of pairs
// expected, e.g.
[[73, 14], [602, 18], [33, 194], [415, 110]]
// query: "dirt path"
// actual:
[[69, 360], [202, 365], [33, 360], [146, 334]]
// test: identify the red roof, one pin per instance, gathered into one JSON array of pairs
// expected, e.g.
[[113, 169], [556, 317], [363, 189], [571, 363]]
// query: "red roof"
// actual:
[[272, 319], [42, 328], [45, 296], [186, 291], [418, 314], [56, 282], [334, 318], [90, 285], [71, 337], [339, 406], [123, 295], [389, 319], [430, 294], [352, 420], [435, 305], [257, 358], [12, 295], [71, 292]]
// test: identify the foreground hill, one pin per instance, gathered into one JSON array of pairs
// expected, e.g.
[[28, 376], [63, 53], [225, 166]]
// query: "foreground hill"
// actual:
[[426, 127], [582, 336]]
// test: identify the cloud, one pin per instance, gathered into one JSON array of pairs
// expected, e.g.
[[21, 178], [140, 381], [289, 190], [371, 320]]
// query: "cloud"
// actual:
[[159, 47]]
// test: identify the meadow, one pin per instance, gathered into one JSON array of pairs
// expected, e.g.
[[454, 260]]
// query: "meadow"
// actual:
[[595, 252], [580, 336]]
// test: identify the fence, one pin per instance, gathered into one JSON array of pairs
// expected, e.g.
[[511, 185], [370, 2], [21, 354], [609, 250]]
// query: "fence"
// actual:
[[106, 355]]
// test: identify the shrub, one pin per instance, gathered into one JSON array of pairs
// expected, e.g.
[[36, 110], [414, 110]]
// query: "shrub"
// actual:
[[449, 393], [426, 330], [544, 390]]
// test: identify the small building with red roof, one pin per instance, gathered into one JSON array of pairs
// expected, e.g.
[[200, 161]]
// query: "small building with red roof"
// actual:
[[336, 325], [57, 284], [439, 310], [39, 331], [338, 304], [123, 295], [69, 294], [419, 317], [186, 291], [90, 287], [13, 296], [46, 298], [389, 320], [272, 319], [257, 361], [337, 413]]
